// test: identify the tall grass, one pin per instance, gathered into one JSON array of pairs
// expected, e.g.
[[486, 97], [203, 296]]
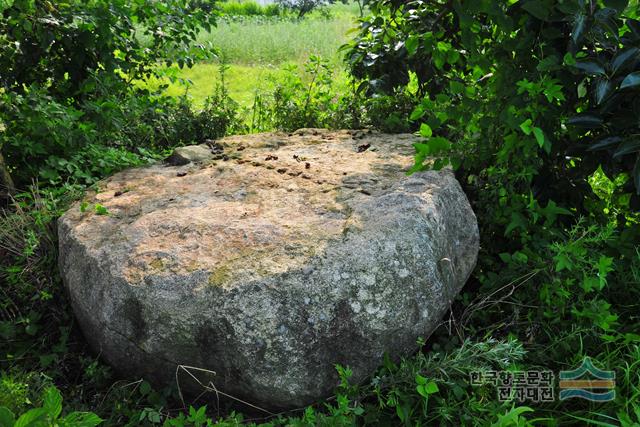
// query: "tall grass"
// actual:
[[266, 40], [248, 8]]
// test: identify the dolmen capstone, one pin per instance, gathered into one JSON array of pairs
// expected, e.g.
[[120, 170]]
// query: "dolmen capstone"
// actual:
[[262, 261]]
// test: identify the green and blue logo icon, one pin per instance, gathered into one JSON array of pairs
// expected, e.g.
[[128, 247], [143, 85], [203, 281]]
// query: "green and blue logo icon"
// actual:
[[588, 382]]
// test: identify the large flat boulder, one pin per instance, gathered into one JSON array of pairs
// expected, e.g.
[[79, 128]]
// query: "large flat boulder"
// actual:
[[269, 263]]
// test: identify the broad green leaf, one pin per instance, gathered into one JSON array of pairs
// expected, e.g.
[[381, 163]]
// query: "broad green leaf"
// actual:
[[537, 8], [31, 418], [569, 59], [456, 162], [563, 262], [554, 92], [52, 402], [605, 266], [438, 59], [425, 130], [590, 67], [585, 121], [422, 149], [552, 210], [520, 257], [417, 113], [100, 210], [427, 388], [571, 7], [589, 283], [453, 56], [631, 337], [627, 147], [605, 143], [199, 414], [539, 134], [402, 411], [623, 58], [412, 44], [81, 419], [431, 387], [505, 257], [619, 5], [579, 27], [145, 388], [607, 18], [422, 391], [456, 87], [582, 90], [603, 89], [5, 4], [517, 221], [7, 419], [548, 64], [526, 127], [512, 417], [422, 152], [438, 144], [632, 80], [439, 164]]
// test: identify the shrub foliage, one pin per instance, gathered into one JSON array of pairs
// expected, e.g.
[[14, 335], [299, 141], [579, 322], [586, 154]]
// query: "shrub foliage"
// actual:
[[67, 71], [534, 104]]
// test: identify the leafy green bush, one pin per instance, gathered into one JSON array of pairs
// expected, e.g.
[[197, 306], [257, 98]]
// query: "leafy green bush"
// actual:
[[390, 113], [299, 100], [48, 414], [480, 77], [67, 70], [534, 104], [14, 391], [311, 98], [57, 142], [72, 113], [302, 7], [75, 47]]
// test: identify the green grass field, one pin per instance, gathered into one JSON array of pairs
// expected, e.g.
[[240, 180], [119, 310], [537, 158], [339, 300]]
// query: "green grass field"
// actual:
[[258, 48], [242, 81]]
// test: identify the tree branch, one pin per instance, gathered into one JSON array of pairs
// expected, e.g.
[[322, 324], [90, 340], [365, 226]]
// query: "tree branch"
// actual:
[[6, 183]]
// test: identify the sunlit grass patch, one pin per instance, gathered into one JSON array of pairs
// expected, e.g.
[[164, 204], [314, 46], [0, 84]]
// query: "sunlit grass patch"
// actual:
[[242, 81]]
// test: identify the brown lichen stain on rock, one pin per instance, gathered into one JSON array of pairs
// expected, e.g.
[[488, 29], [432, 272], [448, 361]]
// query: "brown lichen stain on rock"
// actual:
[[192, 266], [211, 216]]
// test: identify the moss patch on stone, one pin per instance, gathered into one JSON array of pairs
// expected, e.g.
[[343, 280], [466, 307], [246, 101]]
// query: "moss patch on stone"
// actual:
[[219, 276], [157, 264]]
